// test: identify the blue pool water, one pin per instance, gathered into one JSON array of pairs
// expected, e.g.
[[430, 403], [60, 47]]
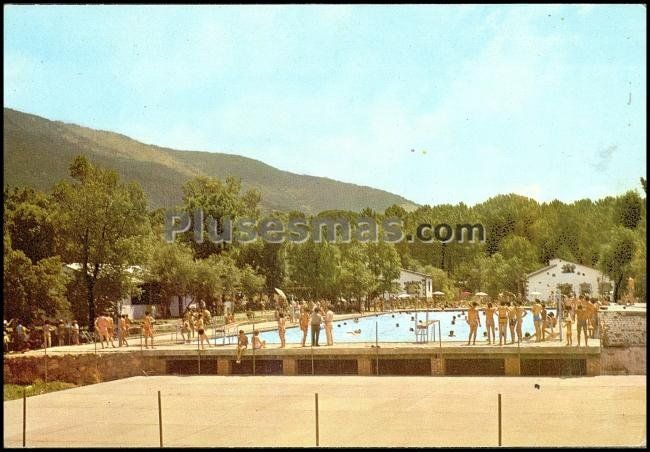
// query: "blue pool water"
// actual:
[[397, 327]]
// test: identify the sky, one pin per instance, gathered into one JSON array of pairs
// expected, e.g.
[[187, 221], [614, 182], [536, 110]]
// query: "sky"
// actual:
[[436, 103]]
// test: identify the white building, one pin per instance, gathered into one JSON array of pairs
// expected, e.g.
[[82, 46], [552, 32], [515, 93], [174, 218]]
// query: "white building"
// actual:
[[415, 284], [582, 279]]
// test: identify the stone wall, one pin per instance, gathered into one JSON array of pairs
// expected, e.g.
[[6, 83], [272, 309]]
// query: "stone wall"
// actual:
[[79, 369], [623, 329], [623, 338]]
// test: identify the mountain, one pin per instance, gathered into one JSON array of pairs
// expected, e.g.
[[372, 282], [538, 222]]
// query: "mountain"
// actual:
[[38, 151]]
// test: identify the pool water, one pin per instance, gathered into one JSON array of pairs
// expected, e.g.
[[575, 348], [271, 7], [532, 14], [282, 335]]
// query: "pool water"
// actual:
[[398, 327]]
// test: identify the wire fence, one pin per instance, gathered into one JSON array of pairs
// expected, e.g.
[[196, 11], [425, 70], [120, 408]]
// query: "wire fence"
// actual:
[[254, 413]]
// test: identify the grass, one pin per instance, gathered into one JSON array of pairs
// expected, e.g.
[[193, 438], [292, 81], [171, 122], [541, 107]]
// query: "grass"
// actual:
[[12, 392]]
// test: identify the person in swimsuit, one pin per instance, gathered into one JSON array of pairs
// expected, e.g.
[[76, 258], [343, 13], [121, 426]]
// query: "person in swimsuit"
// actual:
[[537, 319], [581, 316], [568, 325], [200, 330], [489, 322], [101, 324], [185, 329], [257, 343], [242, 344], [543, 314], [304, 325], [594, 318], [520, 313], [502, 313], [512, 321], [474, 321], [147, 328], [110, 329], [123, 330], [282, 329]]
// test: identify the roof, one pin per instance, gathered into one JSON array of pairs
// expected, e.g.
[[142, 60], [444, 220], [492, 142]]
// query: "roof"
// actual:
[[559, 261], [424, 275]]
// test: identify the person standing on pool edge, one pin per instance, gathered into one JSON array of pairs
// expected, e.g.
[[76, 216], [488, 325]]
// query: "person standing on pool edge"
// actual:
[[316, 320], [304, 324], [329, 319], [282, 329], [474, 322]]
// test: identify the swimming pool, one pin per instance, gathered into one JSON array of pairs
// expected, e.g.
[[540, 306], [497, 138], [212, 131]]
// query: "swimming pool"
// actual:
[[397, 327]]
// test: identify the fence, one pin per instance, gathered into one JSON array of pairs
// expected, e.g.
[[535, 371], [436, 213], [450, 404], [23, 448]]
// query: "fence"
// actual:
[[258, 412]]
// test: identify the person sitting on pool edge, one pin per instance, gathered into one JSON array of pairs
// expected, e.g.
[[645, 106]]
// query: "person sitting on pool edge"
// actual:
[[257, 343], [242, 344]]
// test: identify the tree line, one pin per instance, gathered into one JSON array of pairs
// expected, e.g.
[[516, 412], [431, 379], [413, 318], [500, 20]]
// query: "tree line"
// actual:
[[104, 226]]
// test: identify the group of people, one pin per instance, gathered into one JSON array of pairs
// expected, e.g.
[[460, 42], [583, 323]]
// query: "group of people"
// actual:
[[197, 321], [508, 316], [17, 337], [584, 313], [105, 329], [313, 320]]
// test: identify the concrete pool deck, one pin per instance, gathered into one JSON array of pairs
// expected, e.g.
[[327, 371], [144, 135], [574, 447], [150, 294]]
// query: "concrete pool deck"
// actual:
[[213, 411]]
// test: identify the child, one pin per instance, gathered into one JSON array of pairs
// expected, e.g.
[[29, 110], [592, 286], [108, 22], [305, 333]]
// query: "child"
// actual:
[[257, 343], [185, 329], [569, 333], [242, 344]]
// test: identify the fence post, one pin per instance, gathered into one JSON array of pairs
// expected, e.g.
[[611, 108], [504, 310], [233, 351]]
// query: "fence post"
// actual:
[[499, 419], [316, 401], [160, 420], [253, 347], [377, 346], [24, 414]]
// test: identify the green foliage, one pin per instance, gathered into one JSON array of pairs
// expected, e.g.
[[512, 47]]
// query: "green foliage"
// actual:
[[13, 392], [32, 292], [628, 210], [100, 223]]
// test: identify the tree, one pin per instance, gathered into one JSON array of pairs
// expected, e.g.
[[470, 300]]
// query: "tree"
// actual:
[[31, 292], [628, 210], [616, 257], [172, 268], [101, 223], [28, 223], [356, 279], [217, 200], [384, 263]]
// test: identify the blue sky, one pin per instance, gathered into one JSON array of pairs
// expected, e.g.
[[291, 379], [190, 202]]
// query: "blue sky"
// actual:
[[544, 101]]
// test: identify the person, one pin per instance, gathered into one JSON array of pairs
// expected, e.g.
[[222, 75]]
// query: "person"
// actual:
[[200, 329], [60, 333], [315, 321], [75, 333], [537, 319], [512, 320], [6, 340], [20, 336], [474, 322], [101, 325], [502, 313], [185, 329], [489, 322], [282, 329], [257, 343], [242, 344], [190, 319], [110, 328], [581, 316], [329, 320], [147, 328], [543, 313], [595, 330], [123, 330], [304, 324], [568, 324], [520, 313], [47, 335]]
